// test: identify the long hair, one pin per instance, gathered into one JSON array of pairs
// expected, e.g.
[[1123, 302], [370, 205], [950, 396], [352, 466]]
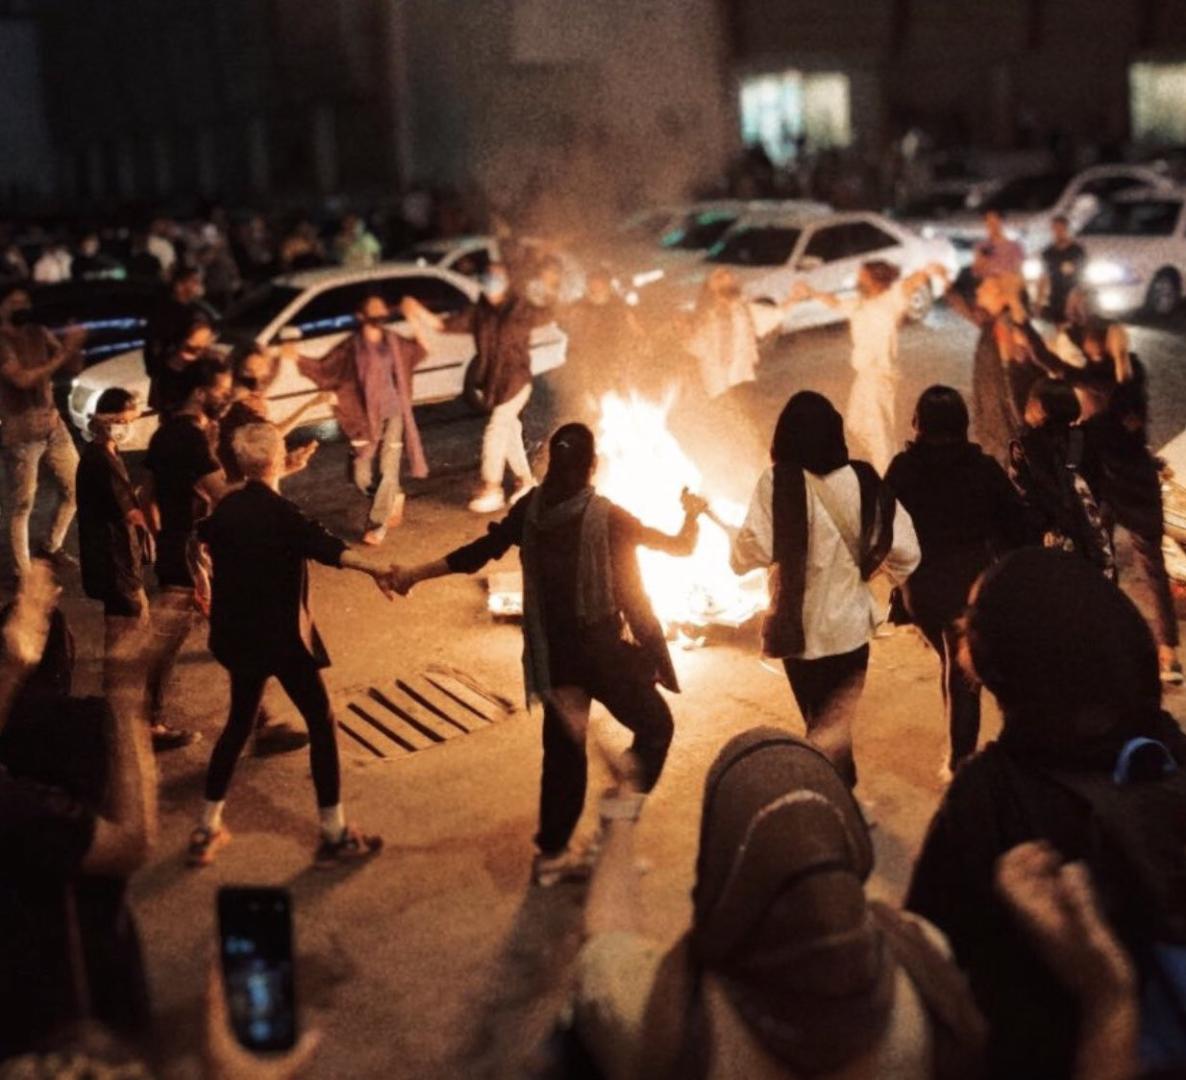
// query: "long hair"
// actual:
[[941, 416], [882, 273], [810, 435]]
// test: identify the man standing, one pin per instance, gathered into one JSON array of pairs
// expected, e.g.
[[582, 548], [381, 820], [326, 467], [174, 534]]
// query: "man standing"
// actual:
[[371, 374], [185, 481], [261, 626], [32, 428], [996, 255], [172, 317], [1062, 269]]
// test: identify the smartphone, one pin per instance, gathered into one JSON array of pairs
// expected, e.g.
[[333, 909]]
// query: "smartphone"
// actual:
[[255, 944]]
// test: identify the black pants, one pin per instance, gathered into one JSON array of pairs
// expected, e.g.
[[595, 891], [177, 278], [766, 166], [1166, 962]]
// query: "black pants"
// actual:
[[1149, 562], [827, 691], [634, 702], [302, 682], [961, 694]]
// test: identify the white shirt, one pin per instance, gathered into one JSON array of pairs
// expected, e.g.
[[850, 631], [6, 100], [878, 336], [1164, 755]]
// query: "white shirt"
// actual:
[[725, 342], [839, 612], [52, 268], [873, 323], [162, 249]]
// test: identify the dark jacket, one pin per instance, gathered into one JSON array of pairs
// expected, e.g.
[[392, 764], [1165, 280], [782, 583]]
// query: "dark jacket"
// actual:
[[109, 549], [259, 613], [965, 514], [502, 340], [337, 370], [571, 645]]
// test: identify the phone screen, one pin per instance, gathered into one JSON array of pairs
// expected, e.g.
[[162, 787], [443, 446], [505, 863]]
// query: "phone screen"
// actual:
[[255, 930]]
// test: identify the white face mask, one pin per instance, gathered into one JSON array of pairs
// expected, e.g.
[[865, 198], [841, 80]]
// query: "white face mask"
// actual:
[[120, 433]]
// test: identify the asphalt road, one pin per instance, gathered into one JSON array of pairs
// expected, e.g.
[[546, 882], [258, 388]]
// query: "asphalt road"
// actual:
[[438, 958]]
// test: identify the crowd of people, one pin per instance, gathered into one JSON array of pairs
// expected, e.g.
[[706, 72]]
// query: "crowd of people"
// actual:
[[1044, 928]]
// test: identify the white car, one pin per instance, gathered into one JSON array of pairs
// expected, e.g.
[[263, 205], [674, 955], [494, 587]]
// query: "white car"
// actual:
[[1030, 203], [655, 247], [770, 252], [318, 306], [1136, 253], [471, 257]]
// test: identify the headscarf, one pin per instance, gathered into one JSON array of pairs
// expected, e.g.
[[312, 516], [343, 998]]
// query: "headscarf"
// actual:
[[780, 919], [809, 435], [1069, 658]]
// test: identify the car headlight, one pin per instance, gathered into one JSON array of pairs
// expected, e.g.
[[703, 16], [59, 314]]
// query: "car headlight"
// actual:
[[1032, 268], [928, 232], [1107, 272]]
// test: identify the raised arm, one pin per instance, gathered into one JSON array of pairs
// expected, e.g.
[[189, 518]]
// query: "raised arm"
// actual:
[[681, 544]]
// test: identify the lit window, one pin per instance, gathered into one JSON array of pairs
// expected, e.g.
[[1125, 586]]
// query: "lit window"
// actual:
[[1157, 93], [779, 109]]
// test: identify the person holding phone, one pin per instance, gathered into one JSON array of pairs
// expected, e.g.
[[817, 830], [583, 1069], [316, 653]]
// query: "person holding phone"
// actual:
[[261, 626]]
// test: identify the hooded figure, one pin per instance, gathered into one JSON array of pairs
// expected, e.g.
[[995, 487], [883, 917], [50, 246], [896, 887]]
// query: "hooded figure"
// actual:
[[787, 969], [823, 525], [1074, 669]]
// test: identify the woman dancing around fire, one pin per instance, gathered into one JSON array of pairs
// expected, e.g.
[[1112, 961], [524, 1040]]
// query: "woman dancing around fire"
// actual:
[[874, 317], [588, 628]]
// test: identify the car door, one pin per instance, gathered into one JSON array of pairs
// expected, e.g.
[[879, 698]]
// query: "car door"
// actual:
[[825, 263], [441, 374]]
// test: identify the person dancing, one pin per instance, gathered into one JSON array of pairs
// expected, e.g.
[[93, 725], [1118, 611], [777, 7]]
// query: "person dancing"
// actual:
[[874, 317], [589, 631]]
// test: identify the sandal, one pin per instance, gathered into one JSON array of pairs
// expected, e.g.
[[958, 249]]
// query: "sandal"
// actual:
[[352, 845]]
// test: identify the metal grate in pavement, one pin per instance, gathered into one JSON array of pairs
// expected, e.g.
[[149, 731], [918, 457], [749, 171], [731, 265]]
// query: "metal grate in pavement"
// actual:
[[406, 716]]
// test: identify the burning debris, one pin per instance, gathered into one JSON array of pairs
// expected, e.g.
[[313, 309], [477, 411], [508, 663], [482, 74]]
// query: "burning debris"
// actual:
[[643, 469]]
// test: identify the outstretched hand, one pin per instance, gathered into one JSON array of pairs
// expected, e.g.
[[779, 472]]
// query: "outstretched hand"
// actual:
[[694, 505], [27, 627]]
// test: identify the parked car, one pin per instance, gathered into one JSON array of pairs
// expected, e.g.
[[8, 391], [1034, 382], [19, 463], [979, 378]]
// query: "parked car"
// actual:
[[770, 251], [1029, 204], [318, 307], [1136, 252], [471, 256], [655, 249], [113, 313]]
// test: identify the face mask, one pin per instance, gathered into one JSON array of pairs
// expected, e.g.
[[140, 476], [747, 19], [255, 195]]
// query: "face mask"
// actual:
[[496, 284], [119, 433]]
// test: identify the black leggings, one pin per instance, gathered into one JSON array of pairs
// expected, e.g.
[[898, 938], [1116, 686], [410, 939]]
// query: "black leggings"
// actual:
[[302, 682], [827, 691], [961, 694], [634, 702]]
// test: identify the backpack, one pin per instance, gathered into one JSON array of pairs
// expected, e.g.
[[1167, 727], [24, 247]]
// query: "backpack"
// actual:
[[1136, 850]]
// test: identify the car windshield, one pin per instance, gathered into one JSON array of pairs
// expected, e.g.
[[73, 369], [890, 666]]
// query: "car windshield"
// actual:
[[250, 316], [699, 231], [1146, 217], [1027, 193], [768, 245]]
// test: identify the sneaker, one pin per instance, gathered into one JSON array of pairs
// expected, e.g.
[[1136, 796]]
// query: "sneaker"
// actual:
[[171, 738], [206, 843], [488, 502], [375, 535], [396, 517], [59, 559], [522, 490], [278, 739], [567, 865], [351, 846]]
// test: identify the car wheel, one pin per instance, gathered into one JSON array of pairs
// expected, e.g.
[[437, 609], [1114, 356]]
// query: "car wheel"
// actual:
[[1164, 295], [920, 302]]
